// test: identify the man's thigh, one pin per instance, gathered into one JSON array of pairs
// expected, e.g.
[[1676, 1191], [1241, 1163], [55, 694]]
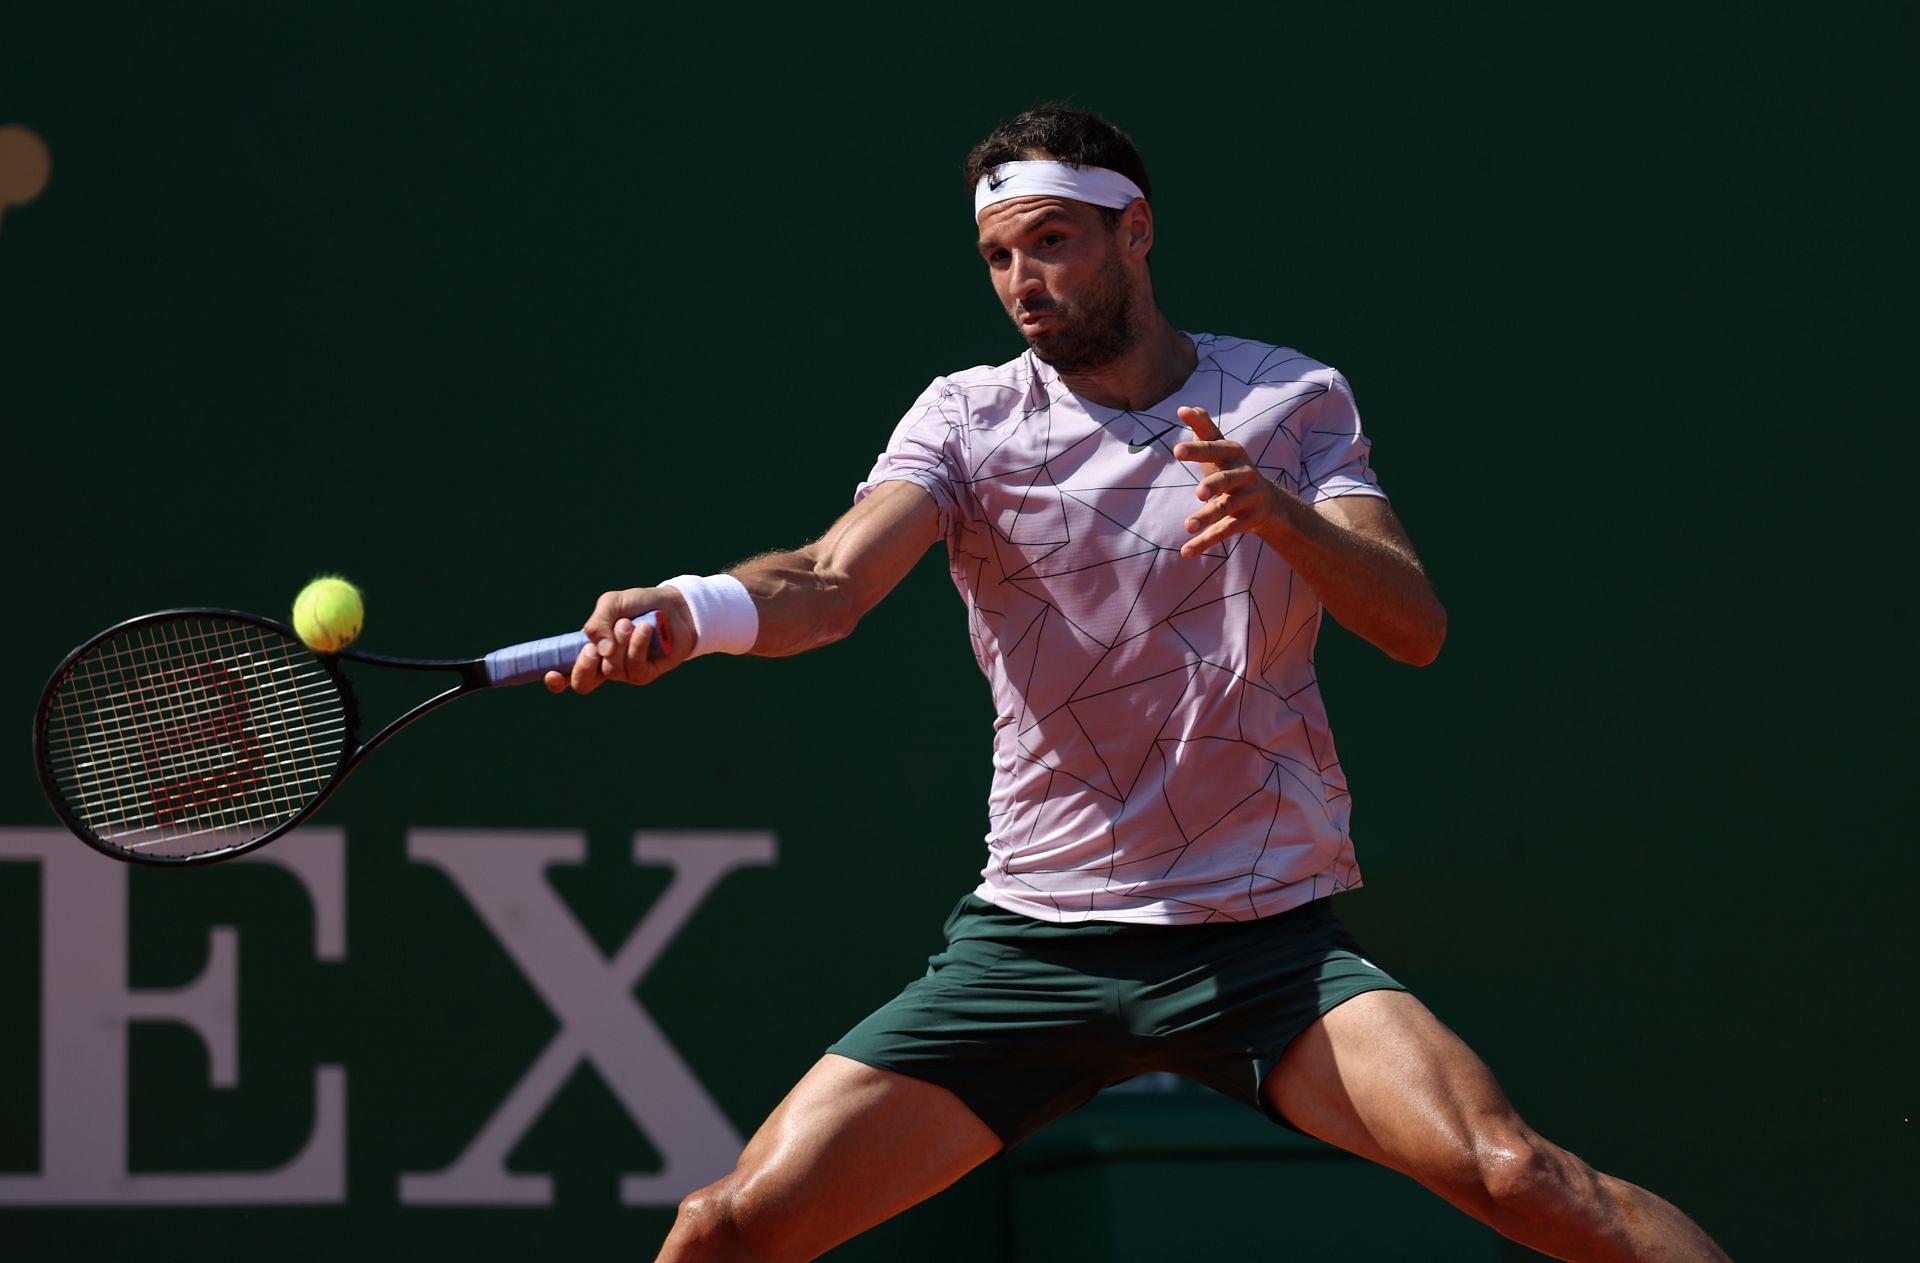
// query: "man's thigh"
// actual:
[[1381, 1077]]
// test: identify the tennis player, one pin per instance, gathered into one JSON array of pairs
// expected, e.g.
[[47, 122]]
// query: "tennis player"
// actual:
[[1145, 524]]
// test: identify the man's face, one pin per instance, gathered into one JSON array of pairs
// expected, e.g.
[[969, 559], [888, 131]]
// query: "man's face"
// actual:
[[1058, 271]]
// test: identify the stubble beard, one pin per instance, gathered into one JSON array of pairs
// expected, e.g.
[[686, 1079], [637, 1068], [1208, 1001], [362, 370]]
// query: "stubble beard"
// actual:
[[1097, 329]]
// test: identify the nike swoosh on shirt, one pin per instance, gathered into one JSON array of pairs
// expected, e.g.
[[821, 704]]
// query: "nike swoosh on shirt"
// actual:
[[1141, 447]]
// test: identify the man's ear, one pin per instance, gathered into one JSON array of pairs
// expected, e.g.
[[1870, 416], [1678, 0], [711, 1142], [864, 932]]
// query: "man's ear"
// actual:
[[1136, 229]]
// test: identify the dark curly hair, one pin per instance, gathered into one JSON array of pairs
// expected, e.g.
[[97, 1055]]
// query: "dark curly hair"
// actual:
[[1059, 131]]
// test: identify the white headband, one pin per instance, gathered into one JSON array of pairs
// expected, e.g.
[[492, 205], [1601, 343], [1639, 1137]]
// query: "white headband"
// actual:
[[1095, 185]]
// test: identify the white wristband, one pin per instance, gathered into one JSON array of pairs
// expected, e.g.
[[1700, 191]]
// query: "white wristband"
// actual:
[[724, 619]]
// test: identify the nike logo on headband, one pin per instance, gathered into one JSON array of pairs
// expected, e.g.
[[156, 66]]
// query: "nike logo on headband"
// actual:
[[1096, 186]]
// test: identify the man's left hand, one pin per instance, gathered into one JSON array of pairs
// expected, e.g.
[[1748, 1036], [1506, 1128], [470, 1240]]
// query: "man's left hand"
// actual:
[[1238, 499]]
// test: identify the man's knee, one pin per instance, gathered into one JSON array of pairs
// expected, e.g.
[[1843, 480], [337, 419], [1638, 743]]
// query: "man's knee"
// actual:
[[1515, 1178], [711, 1226]]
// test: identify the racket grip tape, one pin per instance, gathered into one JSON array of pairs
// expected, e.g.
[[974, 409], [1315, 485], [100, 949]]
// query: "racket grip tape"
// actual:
[[525, 663]]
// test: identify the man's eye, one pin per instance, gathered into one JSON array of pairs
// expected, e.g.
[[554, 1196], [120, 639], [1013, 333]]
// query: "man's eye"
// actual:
[[998, 259], [1052, 239]]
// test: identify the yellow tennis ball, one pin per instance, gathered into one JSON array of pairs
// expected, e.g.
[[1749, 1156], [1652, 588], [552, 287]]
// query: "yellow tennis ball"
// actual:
[[328, 614]]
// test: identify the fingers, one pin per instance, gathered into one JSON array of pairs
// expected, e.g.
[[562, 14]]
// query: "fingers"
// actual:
[[631, 656], [1217, 454], [1237, 497], [1226, 514], [607, 611], [1207, 447], [1225, 482], [585, 676], [1218, 507], [1199, 420], [625, 653], [620, 646], [649, 641], [1214, 534], [1230, 494], [1235, 500]]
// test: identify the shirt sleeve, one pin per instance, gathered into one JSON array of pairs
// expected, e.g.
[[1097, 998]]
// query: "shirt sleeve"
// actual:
[[1333, 452], [924, 450]]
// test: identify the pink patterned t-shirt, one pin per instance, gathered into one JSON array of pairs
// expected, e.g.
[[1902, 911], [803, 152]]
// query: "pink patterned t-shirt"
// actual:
[[1161, 752]]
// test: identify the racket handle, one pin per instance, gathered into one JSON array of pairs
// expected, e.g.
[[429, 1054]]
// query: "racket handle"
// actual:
[[525, 663]]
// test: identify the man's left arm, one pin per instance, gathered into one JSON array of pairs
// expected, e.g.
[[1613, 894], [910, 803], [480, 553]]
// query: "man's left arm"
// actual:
[[1351, 550]]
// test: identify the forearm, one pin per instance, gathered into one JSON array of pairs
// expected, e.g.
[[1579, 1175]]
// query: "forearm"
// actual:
[[802, 604], [815, 595], [1376, 590], [800, 600]]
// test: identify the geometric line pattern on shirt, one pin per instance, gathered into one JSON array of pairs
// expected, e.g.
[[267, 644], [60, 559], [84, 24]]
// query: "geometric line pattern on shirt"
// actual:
[[1162, 752]]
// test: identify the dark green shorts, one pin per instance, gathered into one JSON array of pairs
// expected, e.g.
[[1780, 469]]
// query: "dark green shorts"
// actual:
[[1024, 1020]]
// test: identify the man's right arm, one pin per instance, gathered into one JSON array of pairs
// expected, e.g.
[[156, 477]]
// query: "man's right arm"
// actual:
[[806, 598]]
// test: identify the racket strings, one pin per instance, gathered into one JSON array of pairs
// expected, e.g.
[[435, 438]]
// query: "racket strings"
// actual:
[[194, 708], [193, 735]]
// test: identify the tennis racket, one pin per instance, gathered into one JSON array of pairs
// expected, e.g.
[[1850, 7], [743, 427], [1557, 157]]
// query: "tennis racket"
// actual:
[[195, 735]]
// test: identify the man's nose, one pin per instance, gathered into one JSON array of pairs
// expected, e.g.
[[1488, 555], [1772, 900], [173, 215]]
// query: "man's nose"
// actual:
[[1025, 277]]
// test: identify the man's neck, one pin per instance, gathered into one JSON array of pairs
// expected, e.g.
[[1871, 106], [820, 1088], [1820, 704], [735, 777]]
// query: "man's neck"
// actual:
[[1156, 367]]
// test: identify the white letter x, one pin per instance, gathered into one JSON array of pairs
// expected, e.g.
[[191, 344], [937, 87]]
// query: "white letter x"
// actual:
[[503, 876]]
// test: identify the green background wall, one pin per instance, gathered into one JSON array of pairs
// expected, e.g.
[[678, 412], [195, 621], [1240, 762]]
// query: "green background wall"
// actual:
[[492, 307]]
